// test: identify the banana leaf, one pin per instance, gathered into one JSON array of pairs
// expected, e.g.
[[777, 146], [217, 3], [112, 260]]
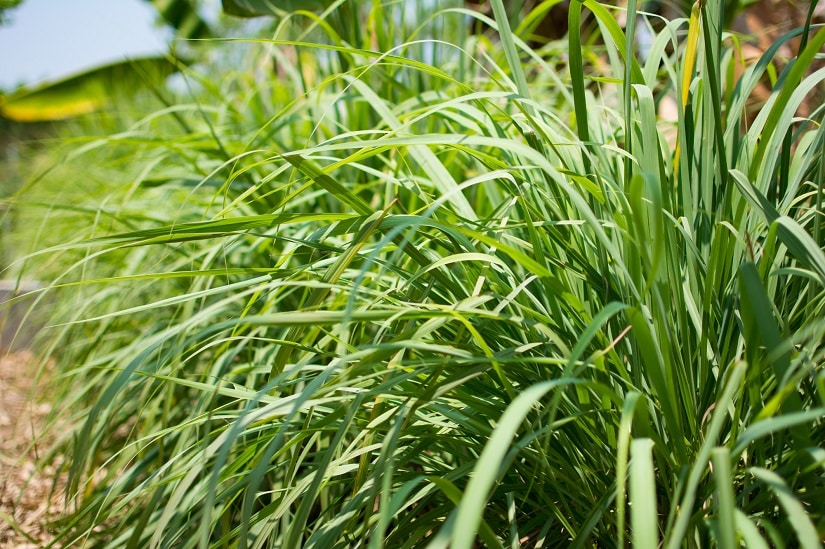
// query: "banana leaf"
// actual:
[[257, 8], [182, 15], [85, 92]]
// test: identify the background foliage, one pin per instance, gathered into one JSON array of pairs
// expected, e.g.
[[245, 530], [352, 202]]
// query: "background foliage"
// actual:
[[5, 6]]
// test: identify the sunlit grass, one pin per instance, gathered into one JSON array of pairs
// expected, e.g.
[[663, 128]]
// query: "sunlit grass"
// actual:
[[379, 301]]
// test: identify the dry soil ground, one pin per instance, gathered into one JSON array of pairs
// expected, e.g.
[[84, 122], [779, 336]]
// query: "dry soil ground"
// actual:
[[29, 496]]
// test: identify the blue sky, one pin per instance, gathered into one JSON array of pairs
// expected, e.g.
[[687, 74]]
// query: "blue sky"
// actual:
[[49, 39]]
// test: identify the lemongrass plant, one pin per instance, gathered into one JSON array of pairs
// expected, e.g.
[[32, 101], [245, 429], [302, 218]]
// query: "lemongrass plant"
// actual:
[[424, 289]]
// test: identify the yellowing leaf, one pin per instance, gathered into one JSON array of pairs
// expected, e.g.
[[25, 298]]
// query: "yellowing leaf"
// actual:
[[85, 92]]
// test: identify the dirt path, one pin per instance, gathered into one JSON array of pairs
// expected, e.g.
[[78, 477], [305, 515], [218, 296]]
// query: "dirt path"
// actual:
[[28, 498]]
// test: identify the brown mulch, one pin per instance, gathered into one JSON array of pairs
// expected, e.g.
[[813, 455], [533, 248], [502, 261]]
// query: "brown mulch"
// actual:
[[29, 491]]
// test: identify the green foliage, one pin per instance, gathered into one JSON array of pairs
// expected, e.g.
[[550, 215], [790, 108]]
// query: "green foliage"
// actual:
[[257, 8], [5, 6], [183, 16], [86, 92], [423, 289]]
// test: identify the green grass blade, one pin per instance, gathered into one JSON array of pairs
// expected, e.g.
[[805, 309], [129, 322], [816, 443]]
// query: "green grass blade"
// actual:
[[726, 502], [691, 483], [643, 508], [797, 516], [471, 507]]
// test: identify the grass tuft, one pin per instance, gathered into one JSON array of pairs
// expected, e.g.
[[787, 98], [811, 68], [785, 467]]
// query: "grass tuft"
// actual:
[[400, 286]]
